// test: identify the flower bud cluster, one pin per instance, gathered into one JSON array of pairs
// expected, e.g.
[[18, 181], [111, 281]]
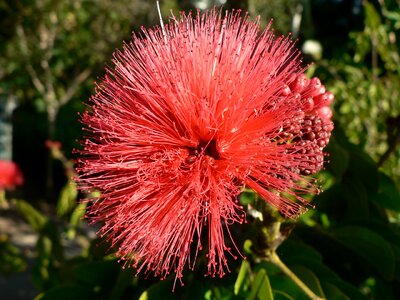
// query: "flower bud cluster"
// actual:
[[311, 128], [315, 99]]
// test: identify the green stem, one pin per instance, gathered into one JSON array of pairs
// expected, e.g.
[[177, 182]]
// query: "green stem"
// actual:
[[274, 258], [3, 200]]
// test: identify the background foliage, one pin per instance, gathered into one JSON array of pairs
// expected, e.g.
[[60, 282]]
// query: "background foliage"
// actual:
[[347, 248]]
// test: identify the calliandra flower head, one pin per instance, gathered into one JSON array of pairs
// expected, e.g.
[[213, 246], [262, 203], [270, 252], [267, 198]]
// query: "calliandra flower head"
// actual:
[[188, 115], [10, 175]]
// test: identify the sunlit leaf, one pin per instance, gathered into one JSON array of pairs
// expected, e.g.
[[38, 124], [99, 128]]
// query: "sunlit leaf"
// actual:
[[67, 199], [76, 216], [242, 277], [34, 217], [261, 288], [372, 17]]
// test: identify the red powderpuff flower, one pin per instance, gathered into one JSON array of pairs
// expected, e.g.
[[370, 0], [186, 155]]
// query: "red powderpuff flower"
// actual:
[[10, 175], [188, 116]]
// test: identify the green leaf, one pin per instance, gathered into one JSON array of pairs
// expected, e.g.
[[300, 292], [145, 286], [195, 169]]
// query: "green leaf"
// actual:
[[280, 295], [247, 197], [242, 277], [298, 253], [356, 197], [11, 259], [394, 16], [219, 293], [68, 197], [363, 167], [51, 231], [294, 249], [338, 158], [160, 290], [99, 274], [388, 195], [369, 245], [309, 278], [280, 282], [385, 290], [333, 293], [390, 233], [332, 201], [321, 270], [372, 18], [126, 278], [48, 254], [44, 247], [351, 291], [78, 214], [68, 292], [75, 219], [247, 245], [261, 287], [35, 218]]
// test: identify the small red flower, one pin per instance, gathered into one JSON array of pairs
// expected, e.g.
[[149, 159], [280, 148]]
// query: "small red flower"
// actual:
[[186, 118], [10, 175]]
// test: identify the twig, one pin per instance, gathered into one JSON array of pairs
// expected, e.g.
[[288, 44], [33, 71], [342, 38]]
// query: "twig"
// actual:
[[74, 86], [274, 258], [34, 76]]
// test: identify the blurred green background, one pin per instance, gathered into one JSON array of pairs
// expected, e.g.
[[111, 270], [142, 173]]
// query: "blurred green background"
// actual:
[[51, 52]]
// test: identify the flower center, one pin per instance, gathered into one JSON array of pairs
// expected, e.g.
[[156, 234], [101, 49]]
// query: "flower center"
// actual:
[[208, 148]]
